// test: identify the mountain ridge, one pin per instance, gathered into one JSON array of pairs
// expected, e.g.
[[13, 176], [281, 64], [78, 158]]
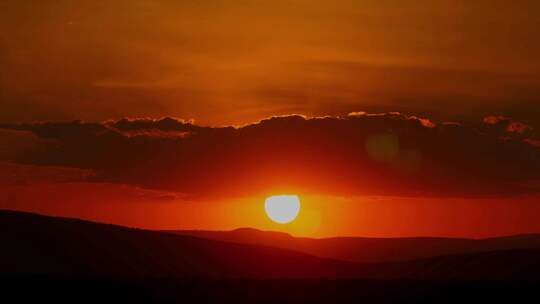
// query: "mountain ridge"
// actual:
[[367, 249], [37, 245]]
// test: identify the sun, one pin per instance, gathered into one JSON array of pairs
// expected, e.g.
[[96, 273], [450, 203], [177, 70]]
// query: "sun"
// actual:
[[282, 209]]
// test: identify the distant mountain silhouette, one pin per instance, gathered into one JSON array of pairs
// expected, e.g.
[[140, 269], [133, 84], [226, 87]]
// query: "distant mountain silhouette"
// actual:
[[370, 250], [35, 245], [523, 264]]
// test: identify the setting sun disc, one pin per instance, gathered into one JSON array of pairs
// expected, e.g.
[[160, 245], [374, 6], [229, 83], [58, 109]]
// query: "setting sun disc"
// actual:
[[282, 209]]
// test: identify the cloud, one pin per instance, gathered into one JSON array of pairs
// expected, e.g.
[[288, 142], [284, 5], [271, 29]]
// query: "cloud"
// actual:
[[508, 124], [20, 174], [506, 128], [359, 154], [532, 142], [199, 59]]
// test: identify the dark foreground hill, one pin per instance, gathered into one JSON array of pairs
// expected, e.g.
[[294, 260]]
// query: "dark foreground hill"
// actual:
[[294, 291], [40, 245], [47, 259], [370, 250]]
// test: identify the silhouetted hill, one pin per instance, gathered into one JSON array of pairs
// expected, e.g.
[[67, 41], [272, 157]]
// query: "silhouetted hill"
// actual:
[[522, 264], [370, 250], [35, 245]]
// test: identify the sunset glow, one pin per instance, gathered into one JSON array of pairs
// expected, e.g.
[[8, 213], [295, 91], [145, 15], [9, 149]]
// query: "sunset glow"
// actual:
[[302, 151], [385, 118]]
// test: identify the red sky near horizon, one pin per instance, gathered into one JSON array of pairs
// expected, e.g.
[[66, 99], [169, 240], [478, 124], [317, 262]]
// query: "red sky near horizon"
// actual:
[[387, 119]]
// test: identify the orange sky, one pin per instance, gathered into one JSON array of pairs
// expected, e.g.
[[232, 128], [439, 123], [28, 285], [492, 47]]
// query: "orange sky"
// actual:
[[320, 216], [415, 117], [230, 62]]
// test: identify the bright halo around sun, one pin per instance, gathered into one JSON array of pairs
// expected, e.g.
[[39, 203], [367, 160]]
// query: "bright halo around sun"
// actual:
[[282, 209]]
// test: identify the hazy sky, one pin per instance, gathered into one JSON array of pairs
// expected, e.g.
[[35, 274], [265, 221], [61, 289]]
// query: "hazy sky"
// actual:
[[229, 62], [449, 146]]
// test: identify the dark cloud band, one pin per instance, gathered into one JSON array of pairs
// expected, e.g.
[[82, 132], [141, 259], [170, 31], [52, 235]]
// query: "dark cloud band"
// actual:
[[371, 154]]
